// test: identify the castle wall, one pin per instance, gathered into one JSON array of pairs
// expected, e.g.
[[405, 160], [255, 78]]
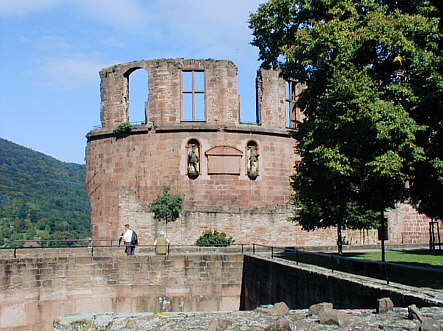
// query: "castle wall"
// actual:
[[37, 290], [126, 172], [145, 163]]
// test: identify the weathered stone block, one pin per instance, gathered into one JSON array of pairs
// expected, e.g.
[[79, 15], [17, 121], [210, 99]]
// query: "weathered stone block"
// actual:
[[384, 305], [333, 316], [317, 308]]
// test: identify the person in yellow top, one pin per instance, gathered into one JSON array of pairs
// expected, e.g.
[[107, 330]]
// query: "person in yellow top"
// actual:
[[161, 244]]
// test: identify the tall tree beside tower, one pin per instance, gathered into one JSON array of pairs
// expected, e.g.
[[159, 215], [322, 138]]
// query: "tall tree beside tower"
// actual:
[[373, 72]]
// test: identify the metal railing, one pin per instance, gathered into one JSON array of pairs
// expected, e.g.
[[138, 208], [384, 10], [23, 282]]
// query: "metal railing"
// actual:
[[17, 245], [430, 276], [333, 262], [376, 269]]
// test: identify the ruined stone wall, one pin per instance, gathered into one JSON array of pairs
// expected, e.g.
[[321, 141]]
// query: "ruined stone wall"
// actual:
[[271, 99], [34, 291], [246, 227], [165, 88]]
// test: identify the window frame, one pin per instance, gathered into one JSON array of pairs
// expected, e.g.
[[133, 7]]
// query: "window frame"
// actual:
[[193, 92], [290, 98]]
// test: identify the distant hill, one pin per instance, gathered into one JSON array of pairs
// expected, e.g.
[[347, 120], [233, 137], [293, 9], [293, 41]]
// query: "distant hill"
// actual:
[[40, 197]]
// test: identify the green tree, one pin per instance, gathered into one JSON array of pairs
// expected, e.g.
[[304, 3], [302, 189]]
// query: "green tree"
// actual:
[[427, 179], [358, 59], [166, 207]]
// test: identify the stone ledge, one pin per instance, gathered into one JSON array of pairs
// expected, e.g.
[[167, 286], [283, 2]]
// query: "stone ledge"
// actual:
[[108, 132], [191, 127]]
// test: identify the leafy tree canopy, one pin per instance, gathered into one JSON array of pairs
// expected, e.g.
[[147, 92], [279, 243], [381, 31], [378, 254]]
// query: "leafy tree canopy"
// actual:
[[166, 207], [369, 68]]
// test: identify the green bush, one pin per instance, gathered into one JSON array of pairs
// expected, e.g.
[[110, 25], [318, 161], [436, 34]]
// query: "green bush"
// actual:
[[122, 128], [214, 238]]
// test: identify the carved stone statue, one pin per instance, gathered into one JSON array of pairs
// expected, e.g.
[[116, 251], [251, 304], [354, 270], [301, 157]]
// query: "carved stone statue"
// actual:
[[193, 162], [252, 162]]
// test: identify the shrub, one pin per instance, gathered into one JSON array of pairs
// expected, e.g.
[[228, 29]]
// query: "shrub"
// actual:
[[214, 238], [123, 127]]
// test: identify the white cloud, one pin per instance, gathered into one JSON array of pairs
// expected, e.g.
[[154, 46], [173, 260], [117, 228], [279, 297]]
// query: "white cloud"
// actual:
[[68, 72], [24, 7]]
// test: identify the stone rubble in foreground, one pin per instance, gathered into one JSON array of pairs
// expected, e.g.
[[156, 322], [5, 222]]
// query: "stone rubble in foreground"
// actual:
[[264, 318]]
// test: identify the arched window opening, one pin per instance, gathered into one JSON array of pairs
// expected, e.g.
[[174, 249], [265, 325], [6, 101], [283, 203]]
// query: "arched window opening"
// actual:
[[193, 158], [138, 96], [252, 159]]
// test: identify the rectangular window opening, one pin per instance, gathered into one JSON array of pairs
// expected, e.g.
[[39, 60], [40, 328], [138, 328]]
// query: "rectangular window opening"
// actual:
[[199, 106], [187, 107], [193, 92]]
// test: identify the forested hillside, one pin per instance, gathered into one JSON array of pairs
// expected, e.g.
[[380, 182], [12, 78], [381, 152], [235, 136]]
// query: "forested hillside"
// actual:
[[41, 198]]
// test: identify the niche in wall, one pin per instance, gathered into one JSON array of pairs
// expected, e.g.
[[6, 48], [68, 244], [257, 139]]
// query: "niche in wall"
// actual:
[[224, 160]]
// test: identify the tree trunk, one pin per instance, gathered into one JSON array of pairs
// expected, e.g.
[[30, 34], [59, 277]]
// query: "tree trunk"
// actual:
[[339, 239], [382, 219]]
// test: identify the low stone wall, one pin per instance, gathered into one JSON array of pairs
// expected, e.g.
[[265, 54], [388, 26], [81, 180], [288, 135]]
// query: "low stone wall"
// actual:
[[35, 290], [267, 281]]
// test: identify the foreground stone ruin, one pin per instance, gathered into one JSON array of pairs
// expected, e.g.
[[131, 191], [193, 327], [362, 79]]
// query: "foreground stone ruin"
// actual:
[[264, 318]]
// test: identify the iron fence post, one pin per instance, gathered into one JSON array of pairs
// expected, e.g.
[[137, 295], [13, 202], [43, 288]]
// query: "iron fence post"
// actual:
[[253, 249], [272, 252], [15, 252]]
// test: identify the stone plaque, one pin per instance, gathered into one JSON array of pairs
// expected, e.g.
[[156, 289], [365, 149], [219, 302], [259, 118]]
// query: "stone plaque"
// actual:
[[223, 160]]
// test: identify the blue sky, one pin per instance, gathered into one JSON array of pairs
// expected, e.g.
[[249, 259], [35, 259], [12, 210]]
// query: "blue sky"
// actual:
[[52, 50]]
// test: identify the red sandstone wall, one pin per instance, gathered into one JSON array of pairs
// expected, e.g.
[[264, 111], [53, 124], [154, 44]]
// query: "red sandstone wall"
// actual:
[[145, 163], [37, 290], [407, 226]]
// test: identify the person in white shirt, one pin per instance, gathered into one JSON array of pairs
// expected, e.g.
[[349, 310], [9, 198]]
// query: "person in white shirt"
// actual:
[[128, 238]]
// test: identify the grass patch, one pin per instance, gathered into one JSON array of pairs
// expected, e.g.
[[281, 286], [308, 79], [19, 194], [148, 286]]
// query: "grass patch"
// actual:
[[414, 257]]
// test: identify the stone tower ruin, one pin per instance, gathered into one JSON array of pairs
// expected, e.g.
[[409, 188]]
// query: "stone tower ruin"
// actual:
[[233, 177]]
